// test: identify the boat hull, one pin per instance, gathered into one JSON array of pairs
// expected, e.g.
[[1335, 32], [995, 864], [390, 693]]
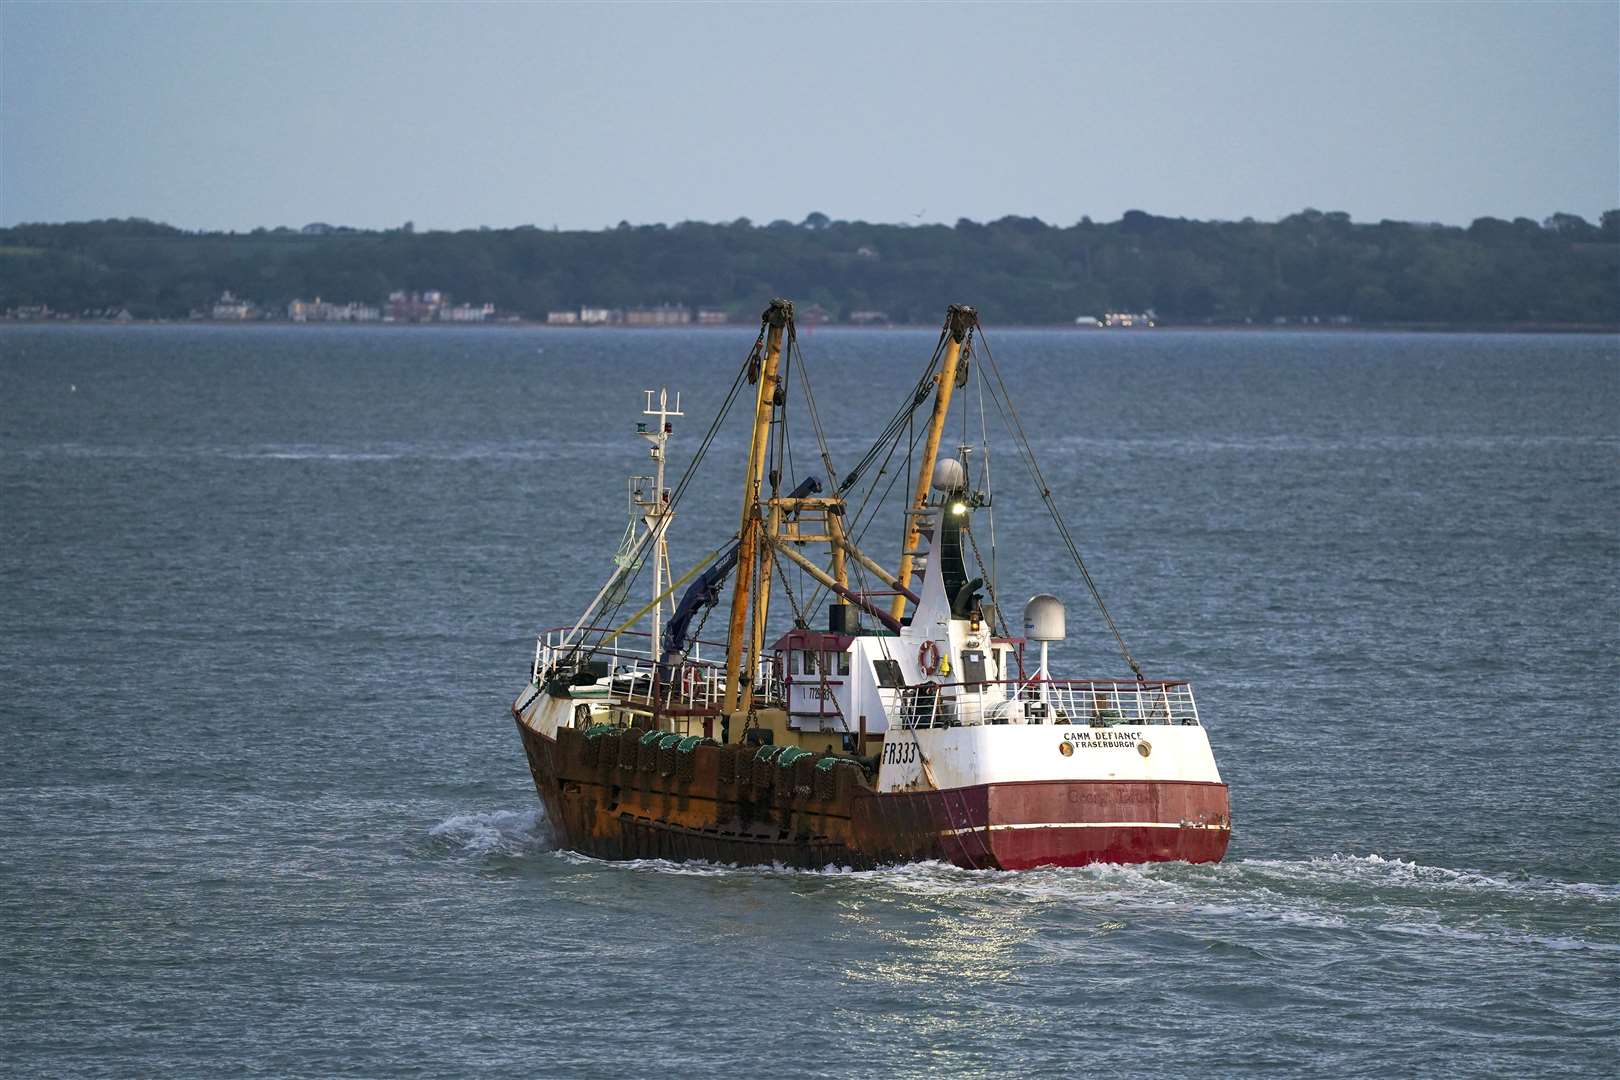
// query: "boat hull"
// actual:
[[624, 802]]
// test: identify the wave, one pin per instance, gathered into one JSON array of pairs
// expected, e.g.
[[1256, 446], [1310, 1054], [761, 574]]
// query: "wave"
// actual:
[[1397, 873], [499, 832], [1119, 445], [1357, 894], [303, 452], [1368, 870]]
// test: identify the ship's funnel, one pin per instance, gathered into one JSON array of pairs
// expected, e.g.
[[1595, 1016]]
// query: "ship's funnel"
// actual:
[[1045, 619], [949, 475]]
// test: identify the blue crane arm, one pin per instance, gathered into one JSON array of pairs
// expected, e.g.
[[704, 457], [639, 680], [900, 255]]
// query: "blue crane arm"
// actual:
[[705, 592]]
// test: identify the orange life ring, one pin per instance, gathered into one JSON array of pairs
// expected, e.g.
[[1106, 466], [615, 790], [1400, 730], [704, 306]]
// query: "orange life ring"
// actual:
[[928, 657]]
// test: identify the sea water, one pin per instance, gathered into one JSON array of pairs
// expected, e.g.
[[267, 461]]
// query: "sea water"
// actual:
[[268, 593]]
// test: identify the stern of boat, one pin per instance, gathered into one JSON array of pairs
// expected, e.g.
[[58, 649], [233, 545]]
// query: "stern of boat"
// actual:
[[1057, 792]]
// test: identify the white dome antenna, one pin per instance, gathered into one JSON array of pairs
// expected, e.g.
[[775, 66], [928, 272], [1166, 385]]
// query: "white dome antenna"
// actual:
[[1045, 618], [1045, 621], [949, 475]]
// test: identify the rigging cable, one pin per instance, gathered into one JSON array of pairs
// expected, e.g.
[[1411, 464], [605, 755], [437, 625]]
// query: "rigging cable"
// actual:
[[1016, 428], [856, 532], [902, 416], [984, 442], [810, 405], [570, 648]]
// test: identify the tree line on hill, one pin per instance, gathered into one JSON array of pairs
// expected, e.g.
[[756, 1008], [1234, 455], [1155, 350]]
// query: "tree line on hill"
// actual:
[[1017, 270]]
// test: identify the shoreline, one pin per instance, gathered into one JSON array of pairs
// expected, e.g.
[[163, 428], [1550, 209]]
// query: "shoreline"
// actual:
[[1184, 328]]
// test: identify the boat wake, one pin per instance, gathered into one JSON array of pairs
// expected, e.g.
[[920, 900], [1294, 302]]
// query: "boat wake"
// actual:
[[1367, 894], [1374, 871], [1379, 872], [499, 832], [1357, 894]]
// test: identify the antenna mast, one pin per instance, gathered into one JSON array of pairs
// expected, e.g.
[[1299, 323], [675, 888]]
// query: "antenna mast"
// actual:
[[653, 505]]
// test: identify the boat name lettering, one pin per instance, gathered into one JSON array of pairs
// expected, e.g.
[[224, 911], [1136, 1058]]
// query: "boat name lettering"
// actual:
[[1118, 740]]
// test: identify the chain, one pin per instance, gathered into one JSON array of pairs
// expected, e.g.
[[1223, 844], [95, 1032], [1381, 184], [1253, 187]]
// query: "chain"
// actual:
[[989, 585], [793, 602]]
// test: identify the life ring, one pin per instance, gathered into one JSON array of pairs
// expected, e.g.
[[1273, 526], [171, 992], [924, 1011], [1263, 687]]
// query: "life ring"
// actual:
[[928, 657]]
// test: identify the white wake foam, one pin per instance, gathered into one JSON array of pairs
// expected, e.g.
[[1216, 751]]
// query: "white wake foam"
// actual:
[[1363, 893], [499, 832], [1378, 872]]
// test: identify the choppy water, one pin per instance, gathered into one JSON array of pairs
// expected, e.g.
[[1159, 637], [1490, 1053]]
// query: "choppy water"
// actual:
[[267, 594]]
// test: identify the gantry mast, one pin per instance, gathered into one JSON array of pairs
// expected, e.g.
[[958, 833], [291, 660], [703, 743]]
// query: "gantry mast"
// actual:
[[743, 640], [778, 524], [960, 322]]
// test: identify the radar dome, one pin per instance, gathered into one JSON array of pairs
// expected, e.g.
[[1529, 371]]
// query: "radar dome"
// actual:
[[1045, 619], [949, 475]]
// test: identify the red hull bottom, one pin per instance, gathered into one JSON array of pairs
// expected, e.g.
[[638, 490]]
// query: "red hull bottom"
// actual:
[[1022, 825], [1026, 849]]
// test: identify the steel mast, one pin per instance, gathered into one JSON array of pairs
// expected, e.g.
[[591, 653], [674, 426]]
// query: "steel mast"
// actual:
[[740, 638], [654, 507], [959, 324]]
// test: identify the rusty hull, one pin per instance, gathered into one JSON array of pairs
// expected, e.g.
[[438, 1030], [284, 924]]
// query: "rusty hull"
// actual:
[[620, 800]]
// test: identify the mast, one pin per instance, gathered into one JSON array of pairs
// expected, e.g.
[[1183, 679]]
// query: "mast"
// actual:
[[741, 637], [959, 322], [654, 508]]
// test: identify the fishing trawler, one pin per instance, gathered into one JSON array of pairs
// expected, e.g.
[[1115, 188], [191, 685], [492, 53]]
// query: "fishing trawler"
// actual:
[[902, 721]]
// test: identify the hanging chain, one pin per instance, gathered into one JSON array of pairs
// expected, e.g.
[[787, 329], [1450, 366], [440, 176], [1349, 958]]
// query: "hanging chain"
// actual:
[[989, 585]]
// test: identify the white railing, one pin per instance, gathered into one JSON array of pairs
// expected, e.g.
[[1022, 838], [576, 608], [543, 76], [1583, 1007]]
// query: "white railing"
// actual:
[[629, 647], [1090, 702], [625, 672]]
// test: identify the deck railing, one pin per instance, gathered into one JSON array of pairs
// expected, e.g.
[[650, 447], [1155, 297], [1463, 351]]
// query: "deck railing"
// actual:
[[1090, 702], [698, 685]]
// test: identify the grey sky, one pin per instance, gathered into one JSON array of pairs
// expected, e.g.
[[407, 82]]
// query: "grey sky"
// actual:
[[237, 115]]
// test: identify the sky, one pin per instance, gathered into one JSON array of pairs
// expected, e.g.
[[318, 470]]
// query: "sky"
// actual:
[[236, 115]]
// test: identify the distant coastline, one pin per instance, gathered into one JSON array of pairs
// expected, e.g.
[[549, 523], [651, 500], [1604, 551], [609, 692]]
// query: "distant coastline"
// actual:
[[531, 324], [1313, 269]]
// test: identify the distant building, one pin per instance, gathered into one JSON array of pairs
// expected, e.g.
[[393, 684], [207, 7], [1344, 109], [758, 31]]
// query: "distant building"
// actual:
[[414, 306], [1088, 321], [318, 310], [1131, 320], [600, 316], [813, 315], [869, 318], [230, 308], [712, 316], [562, 318], [466, 313], [662, 315]]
